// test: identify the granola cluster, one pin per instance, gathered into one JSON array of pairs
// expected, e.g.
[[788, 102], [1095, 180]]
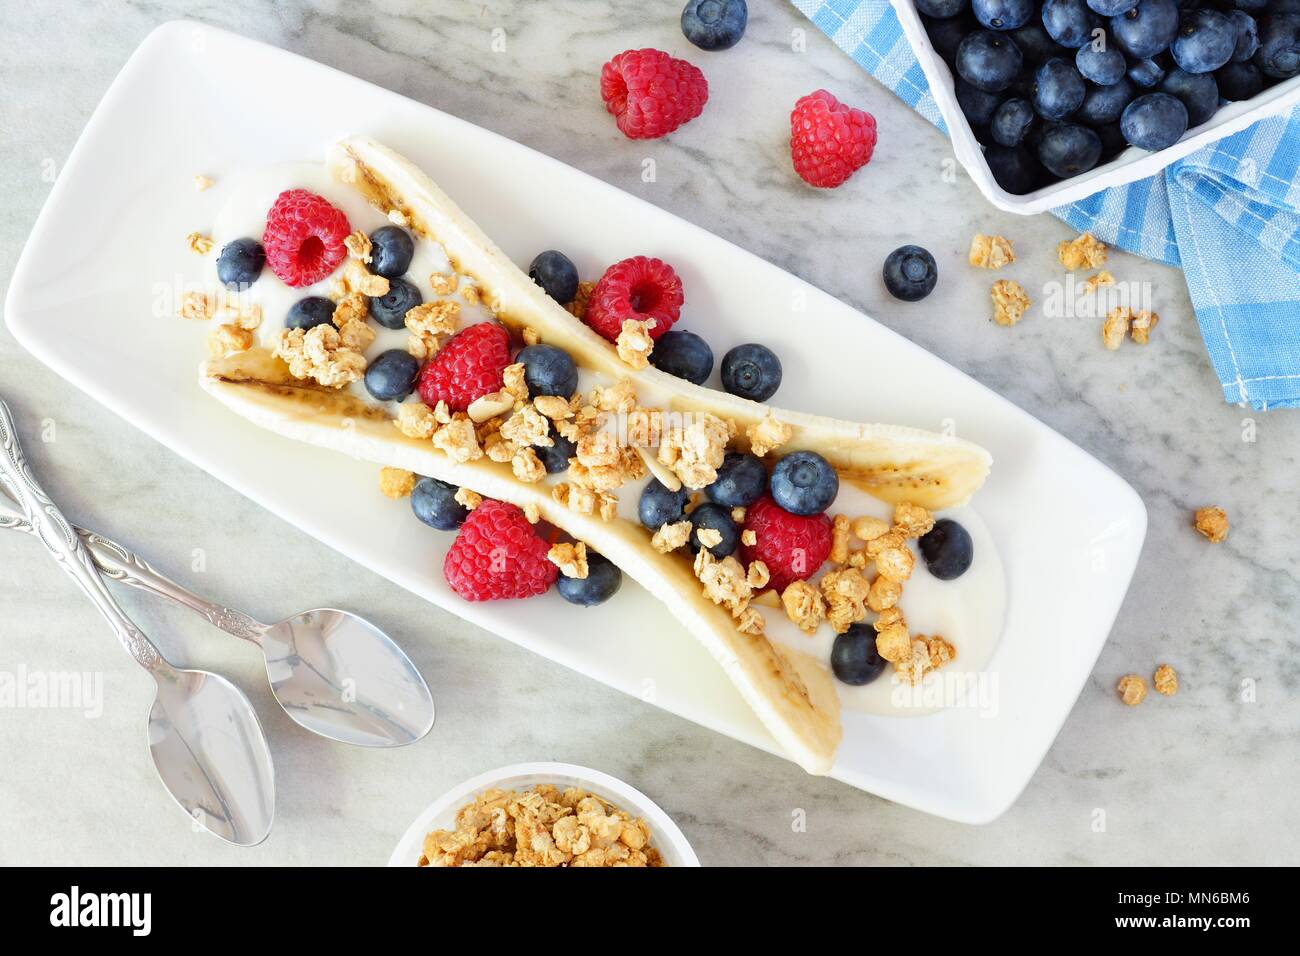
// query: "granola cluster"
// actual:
[[634, 343], [325, 354], [1213, 523], [1083, 252], [990, 252], [1132, 688], [543, 826], [1121, 321], [1010, 302], [730, 584]]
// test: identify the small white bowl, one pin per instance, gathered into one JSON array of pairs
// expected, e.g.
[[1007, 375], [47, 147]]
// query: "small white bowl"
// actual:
[[1128, 166], [441, 814]]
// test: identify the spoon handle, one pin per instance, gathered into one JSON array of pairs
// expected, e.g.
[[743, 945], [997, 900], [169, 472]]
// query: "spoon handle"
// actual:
[[127, 567], [47, 523]]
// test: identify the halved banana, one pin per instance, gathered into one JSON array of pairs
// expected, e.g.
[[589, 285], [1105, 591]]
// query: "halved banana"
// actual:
[[891, 462]]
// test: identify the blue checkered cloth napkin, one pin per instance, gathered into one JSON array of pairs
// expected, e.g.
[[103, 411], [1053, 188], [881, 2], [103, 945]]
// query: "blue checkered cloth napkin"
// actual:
[[1229, 214]]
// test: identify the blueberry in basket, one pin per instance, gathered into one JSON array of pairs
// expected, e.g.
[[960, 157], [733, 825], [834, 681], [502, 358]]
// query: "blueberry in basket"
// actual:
[[1105, 104], [1199, 93], [1239, 81], [1206, 40], [1011, 121], [941, 9], [988, 61], [1278, 55], [1004, 14], [1100, 62], [1068, 149], [1069, 22], [1058, 90], [1154, 121], [1147, 29]]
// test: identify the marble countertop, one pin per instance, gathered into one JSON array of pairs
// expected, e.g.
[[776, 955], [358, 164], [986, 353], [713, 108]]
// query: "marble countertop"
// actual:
[[1208, 776]]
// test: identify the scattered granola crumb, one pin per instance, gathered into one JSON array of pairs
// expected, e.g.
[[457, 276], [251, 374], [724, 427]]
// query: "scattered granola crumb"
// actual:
[[670, 537], [458, 439], [490, 406], [884, 593], [202, 182], [928, 654], [356, 279], [1084, 252], [1142, 325], [768, 434], [532, 512], [416, 420], [1213, 523], [527, 467], [229, 338], [634, 343], [895, 564], [893, 643], [913, 520], [695, 452], [541, 827], [571, 559], [197, 242], [469, 500], [578, 307], [1166, 680], [396, 482], [1132, 689], [358, 246], [470, 293], [440, 284], [846, 593], [804, 605], [553, 407], [725, 581], [1098, 279], [197, 305], [1115, 327], [748, 537], [990, 252], [1009, 301], [758, 575], [868, 528], [840, 540], [709, 537], [512, 376], [530, 335]]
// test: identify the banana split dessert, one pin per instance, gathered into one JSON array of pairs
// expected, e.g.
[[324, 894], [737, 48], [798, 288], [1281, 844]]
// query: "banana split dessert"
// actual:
[[561, 434]]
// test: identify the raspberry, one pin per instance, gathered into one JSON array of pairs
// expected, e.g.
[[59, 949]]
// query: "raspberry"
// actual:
[[792, 547], [638, 288], [829, 140], [469, 366], [651, 93], [304, 237], [497, 554]]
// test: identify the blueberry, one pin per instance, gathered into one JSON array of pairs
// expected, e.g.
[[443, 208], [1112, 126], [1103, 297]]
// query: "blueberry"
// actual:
[[751, 371], [1239, 81], [555, 457], [1206, 40], [391, 375], [548, 371], [1105, 104], [240, 263], [1069, 149], [1058, 89], [910, 273], [1003, 14], [601, 583], [1154, 121], [1069, 22], [1198, 91], [390, 309], [1146, 29], [683, 354], [1111, 8], [1247, 35], [309, 312], [854, 658], [1014, 169], [1278, 55], [741, 481], [659, 506], [941, 9], [556, 274], [1146, 73], [988, 61], [709, 516], [804, 483], [1035, 43], [1011, 121], [434, 502], [715, 24], [1100, 62], [976, 105], [391, 250], [947, 549]]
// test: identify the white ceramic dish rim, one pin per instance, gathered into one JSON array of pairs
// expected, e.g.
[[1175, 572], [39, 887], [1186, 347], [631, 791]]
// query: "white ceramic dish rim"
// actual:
[[1131, 165], [973, 800], [665, 835]]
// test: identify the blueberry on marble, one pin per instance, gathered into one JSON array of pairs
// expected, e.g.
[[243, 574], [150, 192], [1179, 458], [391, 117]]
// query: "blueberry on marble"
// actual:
[[804, 483], [1199, 92], [1069, 149], [714, 517], [240, 263], [1154, 121], [854, 658], [1206, 40], [1011, 121], [556, 274], [715, 24], [309, 312], [741, 481], [390, 309], [947, 549], [660, 506], [1147, 29], [910, 273], [548, 371], [434, 502], [751, 371], [601, 583], [1058, 89], [391, 251], [391, 375], [683, 354], [988, 61]]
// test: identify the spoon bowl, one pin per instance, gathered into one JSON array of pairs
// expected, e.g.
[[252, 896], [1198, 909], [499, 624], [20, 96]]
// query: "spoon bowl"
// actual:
[[208, 747], [339, 676]]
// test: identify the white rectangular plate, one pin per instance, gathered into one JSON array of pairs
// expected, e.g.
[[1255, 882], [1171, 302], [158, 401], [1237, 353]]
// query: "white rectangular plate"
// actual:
[[89, 299]]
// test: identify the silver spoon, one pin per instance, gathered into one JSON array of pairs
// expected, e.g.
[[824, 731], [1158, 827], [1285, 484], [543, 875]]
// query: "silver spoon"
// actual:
[[205, 738]]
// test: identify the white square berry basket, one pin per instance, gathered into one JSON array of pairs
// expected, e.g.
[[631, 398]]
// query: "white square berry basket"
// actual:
[[1128, 166]]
